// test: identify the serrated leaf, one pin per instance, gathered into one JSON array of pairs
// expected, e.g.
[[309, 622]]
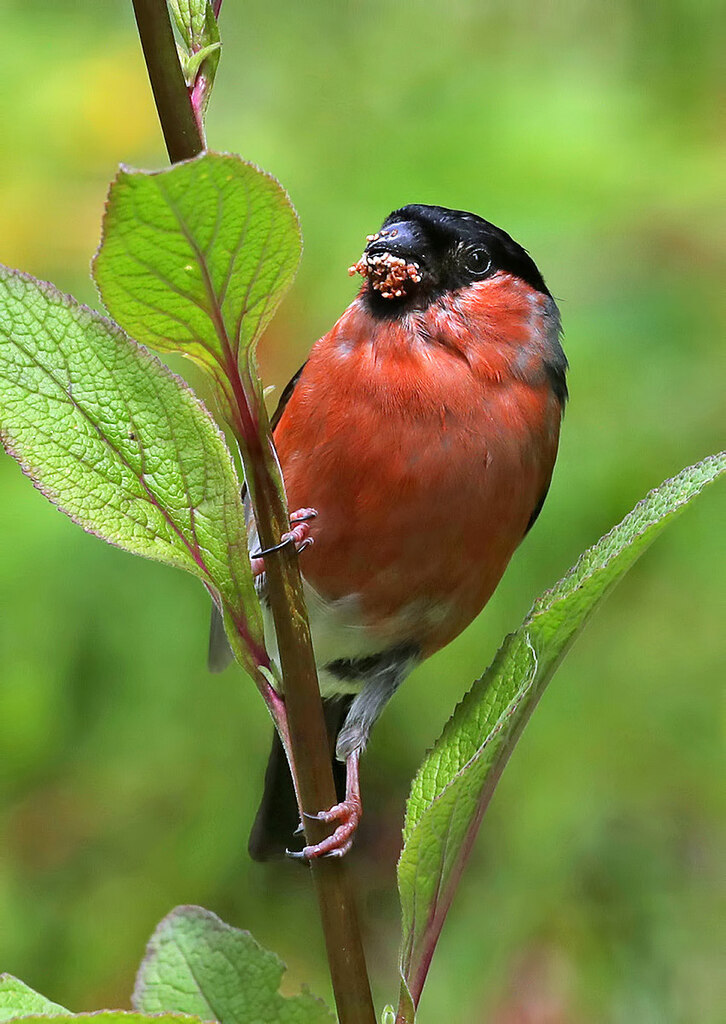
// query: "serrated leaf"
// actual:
[[195, 963], [109, 1017], [18, 1000], [120, 443], [196, 258], [454, 784]]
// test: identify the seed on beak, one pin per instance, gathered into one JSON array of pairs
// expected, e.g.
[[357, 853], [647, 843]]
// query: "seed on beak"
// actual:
[[389, 275]]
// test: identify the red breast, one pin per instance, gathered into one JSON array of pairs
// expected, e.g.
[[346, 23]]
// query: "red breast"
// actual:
[[425, 443]]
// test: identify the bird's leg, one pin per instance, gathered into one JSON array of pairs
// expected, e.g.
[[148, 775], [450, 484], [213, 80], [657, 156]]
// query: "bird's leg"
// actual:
[[381, 682], [299, 535], [348, 812]]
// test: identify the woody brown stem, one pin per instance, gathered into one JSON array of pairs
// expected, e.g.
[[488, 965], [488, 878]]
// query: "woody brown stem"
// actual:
[[305, 733]]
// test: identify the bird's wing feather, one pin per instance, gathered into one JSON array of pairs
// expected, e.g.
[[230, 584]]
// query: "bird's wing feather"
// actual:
[[285, 397], [219, 654]]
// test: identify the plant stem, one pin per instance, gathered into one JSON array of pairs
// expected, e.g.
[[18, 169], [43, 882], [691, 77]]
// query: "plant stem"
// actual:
[[182, 133], [304, 712], [303, 706]]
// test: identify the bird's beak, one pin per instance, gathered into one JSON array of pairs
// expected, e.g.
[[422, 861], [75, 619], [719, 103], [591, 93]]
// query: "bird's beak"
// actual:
[[392, 260], [404, 239]]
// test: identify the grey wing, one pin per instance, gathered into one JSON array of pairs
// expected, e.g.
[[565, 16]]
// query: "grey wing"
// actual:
[[219, 655]]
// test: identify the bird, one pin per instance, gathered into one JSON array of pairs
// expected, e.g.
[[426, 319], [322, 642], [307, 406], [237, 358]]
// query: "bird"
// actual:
[[417, 445]]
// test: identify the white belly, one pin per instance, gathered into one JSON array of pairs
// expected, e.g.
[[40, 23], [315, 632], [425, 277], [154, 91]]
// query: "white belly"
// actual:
[[336, 634]]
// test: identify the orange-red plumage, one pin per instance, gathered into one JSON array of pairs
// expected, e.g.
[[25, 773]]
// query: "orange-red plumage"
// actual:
[[426, 458], [423, 430]]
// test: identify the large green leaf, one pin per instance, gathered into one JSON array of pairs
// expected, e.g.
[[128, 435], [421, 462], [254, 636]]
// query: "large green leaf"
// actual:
[[106, 1017], [195, 963], [19, 1000], [196, 258], [119, 443], [454, 784]]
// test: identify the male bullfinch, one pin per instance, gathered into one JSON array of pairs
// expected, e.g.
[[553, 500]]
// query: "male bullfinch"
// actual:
[[417, 442]]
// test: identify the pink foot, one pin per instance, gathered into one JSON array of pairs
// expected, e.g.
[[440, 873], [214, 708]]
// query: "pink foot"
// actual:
[[303, 515], [299, 534], [348, 813]]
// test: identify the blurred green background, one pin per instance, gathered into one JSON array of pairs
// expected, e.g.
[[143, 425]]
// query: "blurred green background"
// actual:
[[129, 776]]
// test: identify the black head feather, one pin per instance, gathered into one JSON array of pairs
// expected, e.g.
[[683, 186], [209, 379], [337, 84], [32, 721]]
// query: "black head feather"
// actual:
[[451, 248]]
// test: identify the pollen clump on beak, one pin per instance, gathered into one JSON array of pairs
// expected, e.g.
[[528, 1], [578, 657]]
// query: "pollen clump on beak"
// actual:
[[388, 274]]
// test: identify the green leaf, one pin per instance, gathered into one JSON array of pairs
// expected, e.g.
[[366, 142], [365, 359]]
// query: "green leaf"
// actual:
[[119, 443], [193, 63], [198, 28], [18, 1000], [195, 963], [454, 784], [196, 258], [192, 18], [107, 1017]]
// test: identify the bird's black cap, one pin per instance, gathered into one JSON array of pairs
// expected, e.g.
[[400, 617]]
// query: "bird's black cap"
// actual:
[[452, 248]]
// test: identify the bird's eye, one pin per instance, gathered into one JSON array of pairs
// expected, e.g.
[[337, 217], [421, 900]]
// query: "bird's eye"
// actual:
[[477, 261]]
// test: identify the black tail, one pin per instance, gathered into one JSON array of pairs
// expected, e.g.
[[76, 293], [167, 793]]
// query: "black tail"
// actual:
[[277, 816]]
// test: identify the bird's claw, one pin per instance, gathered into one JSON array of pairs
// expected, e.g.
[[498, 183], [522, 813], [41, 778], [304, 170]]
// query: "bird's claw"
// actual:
[[298, 535], [348, 813], [303, 515]]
